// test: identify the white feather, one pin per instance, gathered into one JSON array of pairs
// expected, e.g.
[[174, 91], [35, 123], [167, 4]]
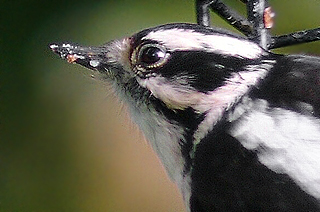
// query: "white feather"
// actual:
[[187, 39], [287, 142]]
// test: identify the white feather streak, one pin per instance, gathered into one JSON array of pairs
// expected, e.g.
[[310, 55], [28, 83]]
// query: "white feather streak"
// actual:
[[287, 142], [186, 39]]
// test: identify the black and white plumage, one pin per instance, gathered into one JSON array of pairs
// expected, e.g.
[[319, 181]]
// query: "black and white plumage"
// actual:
[[236, 127]]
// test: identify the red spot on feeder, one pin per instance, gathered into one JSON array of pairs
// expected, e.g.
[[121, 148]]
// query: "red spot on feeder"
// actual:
[[268, 18]]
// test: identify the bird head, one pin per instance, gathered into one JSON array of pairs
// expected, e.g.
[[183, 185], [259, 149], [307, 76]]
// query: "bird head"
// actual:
[[179, 80]]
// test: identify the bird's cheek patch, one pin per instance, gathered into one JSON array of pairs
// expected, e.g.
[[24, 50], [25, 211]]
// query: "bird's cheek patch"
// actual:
[[175, 96]]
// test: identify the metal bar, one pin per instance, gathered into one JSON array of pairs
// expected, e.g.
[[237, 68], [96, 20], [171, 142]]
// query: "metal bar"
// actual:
[[232, 17], [256, 9], [256, 26], [295, 38], [202, 11]]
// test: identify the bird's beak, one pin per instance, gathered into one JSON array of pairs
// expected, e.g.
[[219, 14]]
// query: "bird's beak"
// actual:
[[90, 57]]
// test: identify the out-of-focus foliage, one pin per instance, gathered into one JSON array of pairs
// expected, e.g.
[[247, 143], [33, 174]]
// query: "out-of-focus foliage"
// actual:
[[64, 143]]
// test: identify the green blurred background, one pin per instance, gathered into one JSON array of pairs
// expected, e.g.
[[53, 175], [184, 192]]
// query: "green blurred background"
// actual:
[[66, 144]]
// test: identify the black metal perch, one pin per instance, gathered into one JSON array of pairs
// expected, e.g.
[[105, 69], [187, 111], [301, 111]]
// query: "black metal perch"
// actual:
[[256, 25]]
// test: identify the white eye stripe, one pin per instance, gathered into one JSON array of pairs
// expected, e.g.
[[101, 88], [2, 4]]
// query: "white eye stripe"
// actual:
[[186, 39]]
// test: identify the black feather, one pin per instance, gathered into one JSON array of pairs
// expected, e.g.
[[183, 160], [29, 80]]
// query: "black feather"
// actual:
[[228, 177], [294, 80]]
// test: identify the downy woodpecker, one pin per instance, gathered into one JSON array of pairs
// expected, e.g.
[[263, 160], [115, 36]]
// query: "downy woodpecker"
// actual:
[[236, 127]]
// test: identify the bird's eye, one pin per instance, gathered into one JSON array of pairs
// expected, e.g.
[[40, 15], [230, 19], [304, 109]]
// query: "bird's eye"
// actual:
[[152, 55]]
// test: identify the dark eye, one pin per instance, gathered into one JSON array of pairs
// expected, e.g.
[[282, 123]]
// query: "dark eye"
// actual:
[[152, 55]]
